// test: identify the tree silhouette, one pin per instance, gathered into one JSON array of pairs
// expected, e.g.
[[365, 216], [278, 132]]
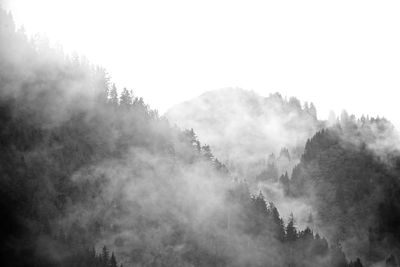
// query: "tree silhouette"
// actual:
[[291, 231], [125, 98], [113, 96]]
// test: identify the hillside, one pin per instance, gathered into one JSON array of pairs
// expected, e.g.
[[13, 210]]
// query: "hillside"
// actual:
[[85, 167], [345, 181], [349, 173], [244, 129]]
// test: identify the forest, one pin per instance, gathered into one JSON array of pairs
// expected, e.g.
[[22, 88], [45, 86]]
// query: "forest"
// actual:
[[90, 175]]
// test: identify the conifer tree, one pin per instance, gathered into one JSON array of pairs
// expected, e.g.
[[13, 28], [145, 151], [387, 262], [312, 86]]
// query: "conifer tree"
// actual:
[[285, 182], [113, 262], [113, 96], [207, 152], [105, 256], [291, 232], [125, 98], [102, 84], [312, 110]]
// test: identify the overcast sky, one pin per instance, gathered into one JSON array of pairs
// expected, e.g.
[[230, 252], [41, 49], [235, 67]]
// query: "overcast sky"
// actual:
[[337, 54]]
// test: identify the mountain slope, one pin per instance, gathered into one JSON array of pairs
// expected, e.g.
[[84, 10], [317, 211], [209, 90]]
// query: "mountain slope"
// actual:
[[84, 167], [244, 128], [349, 173]]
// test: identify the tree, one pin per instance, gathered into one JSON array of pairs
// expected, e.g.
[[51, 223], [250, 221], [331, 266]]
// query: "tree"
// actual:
[[113, 96], [113, 262], [278, 222], [305, 106], [105, 256], [285, 182], [358, 263], [306, 234], [291, 232], [295, 103], [284, 153], [192, 137], [102, 84], [125, 99], [207, 152], [312, 110]]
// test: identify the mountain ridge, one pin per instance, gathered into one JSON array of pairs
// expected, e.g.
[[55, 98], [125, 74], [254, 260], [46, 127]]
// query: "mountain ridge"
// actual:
[[258, 126]]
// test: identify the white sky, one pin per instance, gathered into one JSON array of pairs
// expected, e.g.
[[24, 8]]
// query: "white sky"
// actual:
[[337, 54]]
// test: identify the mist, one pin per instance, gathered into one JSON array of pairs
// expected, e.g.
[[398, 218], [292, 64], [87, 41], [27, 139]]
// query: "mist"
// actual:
[[92, 176]]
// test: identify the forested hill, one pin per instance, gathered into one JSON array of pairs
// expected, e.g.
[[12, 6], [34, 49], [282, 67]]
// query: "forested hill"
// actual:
[[90, 177], [244, 128], [350, 174]]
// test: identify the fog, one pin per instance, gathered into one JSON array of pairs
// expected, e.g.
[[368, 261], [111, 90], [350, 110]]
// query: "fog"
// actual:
[[98, 172], [244, 128], [212, 183], [171, 52], [247, 132]]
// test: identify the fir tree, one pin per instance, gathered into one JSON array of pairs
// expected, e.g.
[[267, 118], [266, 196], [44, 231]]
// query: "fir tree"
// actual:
[[291, 232], [125, 98], [113, 96], [113, 262]]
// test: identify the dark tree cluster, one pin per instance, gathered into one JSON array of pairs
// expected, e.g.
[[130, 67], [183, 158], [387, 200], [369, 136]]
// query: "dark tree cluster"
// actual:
[[90, 258], [351, 177]]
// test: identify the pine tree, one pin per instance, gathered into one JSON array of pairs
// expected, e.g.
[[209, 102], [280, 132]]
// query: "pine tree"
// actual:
[[113, 96], [284, 153], [192, 137], [280, 227], [207, 152], [113, 262], [105, 256], [285, 182], [358, 263], [125, 98], [102, 84], [312, 110], [291, 232]]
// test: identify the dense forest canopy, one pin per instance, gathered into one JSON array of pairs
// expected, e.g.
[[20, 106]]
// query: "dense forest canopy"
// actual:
[[91, 176], [350, 173]]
